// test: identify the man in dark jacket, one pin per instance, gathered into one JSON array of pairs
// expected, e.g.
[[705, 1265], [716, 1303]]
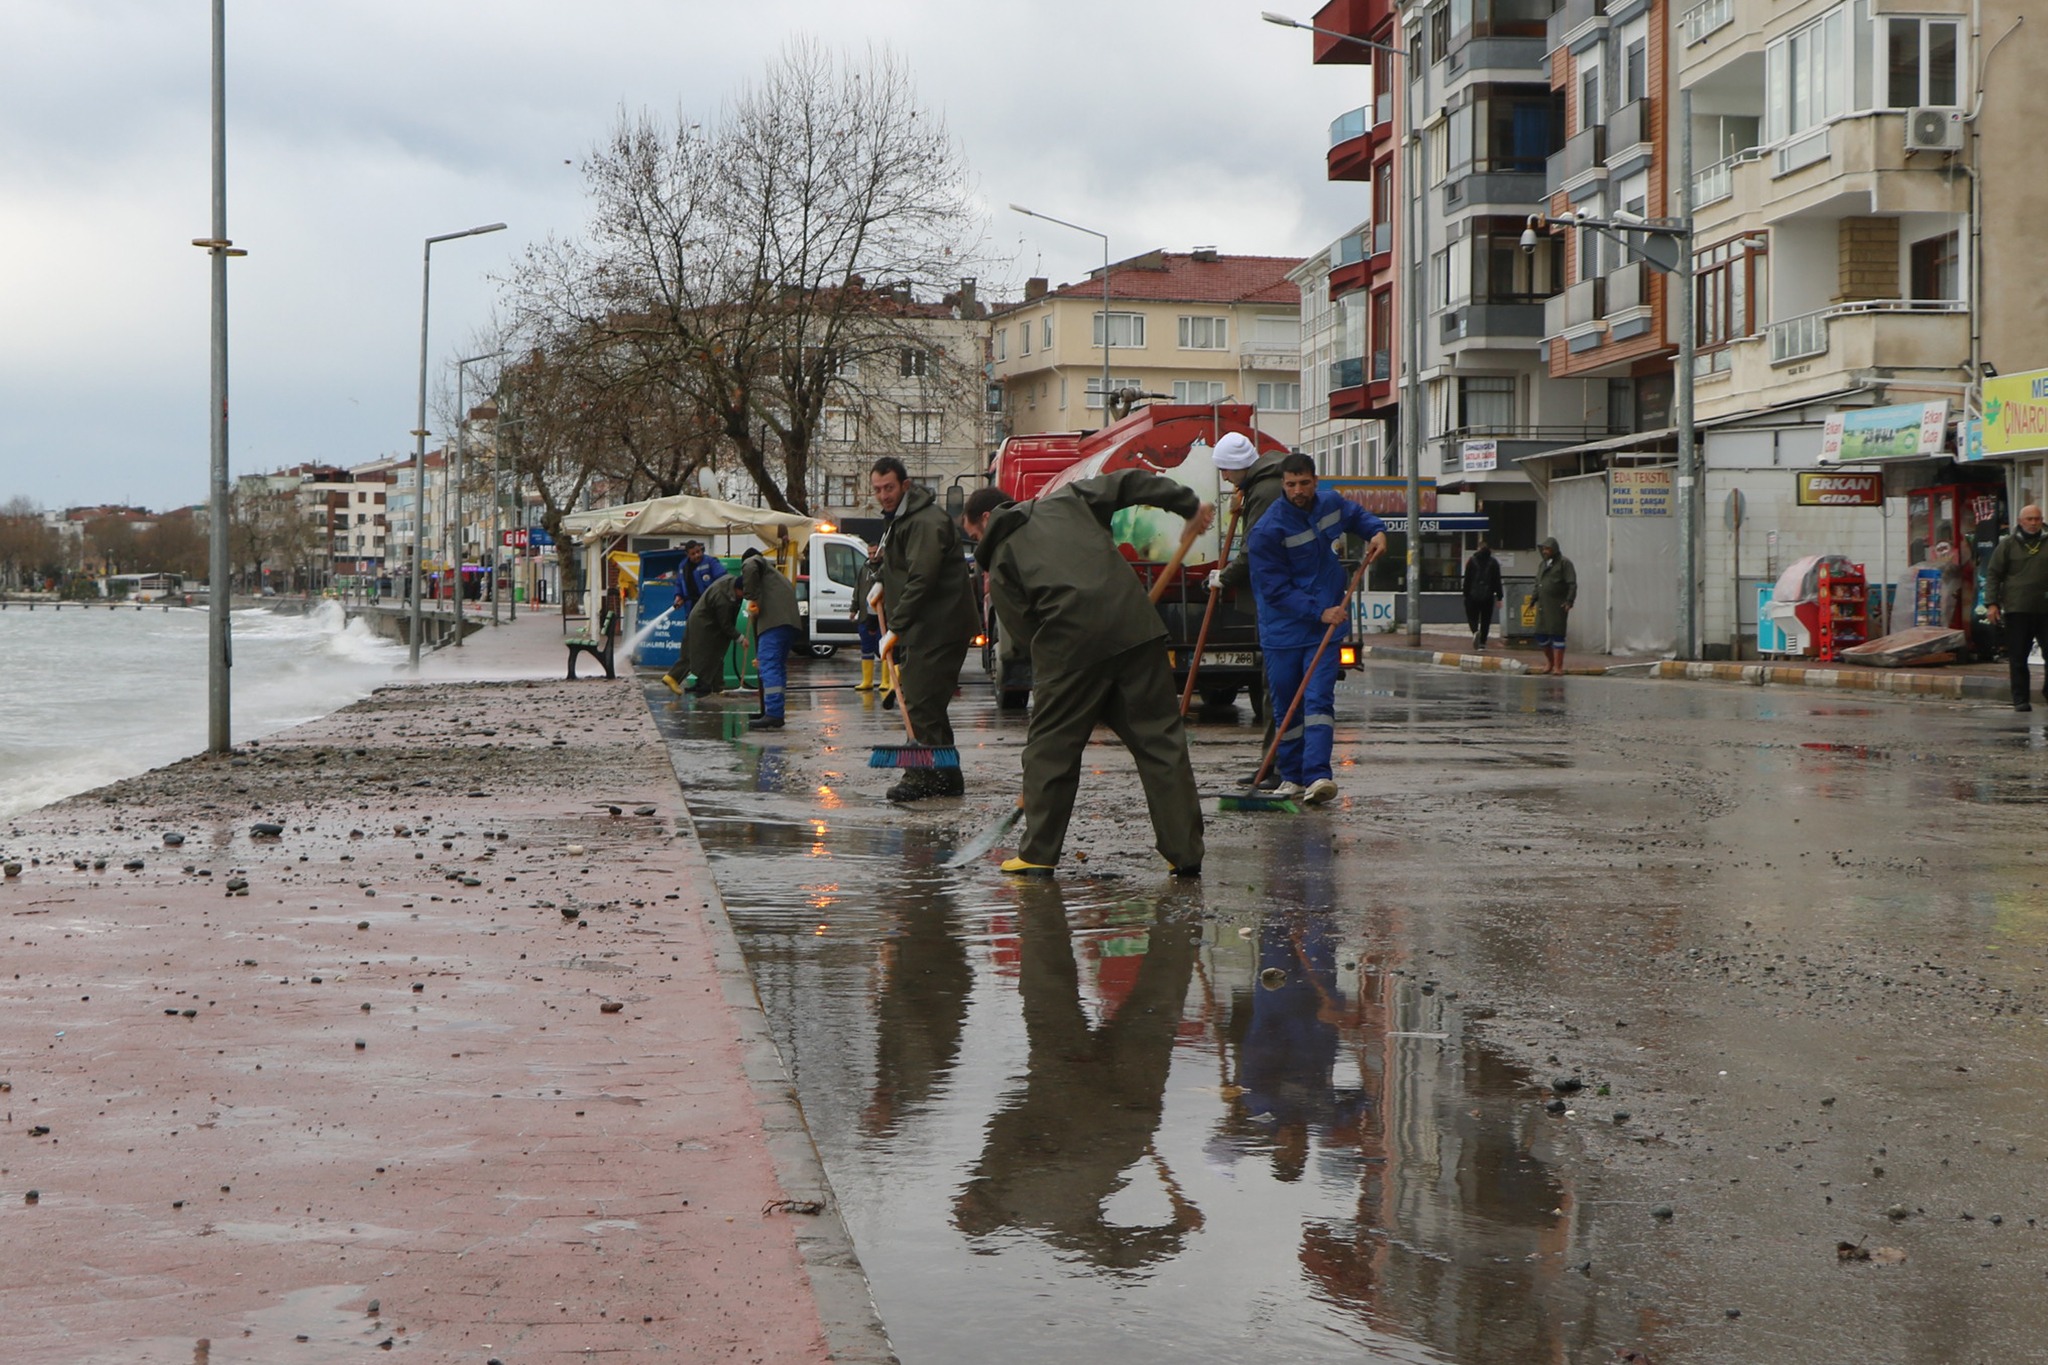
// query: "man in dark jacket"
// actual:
[[1256, 478], [2016, 597], [1557, 592], [1302, 586], [1482, 591], [708, 631], [1098, 654], [928, 611], [777, 625]]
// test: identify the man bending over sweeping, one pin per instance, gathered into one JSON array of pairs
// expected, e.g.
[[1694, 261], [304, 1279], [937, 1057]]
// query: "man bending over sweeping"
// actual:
[[1098, 654]]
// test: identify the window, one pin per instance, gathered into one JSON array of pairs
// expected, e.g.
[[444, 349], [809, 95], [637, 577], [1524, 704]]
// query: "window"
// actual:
[[1440, 279], [1003, 343], [918, 426], [1045, 327], [1126, 330], [1920, 62], [1636, 71], [1589, 98], [1730, 283], [1440, 32], [362, 497], [842, 562], [1280, 397], [1024, 336], [912, 362], [1504, 273], [1204, 333], [1197, 391], [1934, 267], [1094, 394], [839, 424], [1807, 76], [1506, 128], [1383, 193], [1487, 403]]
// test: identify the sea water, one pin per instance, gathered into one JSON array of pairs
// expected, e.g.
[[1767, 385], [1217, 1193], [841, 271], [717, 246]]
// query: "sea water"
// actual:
[[89, 697]]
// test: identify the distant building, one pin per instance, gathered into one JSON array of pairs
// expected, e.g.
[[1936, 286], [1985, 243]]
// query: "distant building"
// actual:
[[1188, 327]]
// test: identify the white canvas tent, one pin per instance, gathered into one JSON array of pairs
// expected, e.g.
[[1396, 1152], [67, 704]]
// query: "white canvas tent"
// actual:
[[600, 528]]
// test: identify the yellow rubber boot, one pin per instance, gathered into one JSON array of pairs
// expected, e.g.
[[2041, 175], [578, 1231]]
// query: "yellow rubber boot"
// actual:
[[867, 676]]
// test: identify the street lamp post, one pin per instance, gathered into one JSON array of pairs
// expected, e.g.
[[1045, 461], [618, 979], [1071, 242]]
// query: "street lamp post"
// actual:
[[1411, 316], [419, 435], [1031, 213]]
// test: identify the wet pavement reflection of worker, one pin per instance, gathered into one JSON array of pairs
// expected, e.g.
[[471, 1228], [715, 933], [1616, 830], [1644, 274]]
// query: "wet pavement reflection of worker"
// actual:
[[925, 980], [1090, 1107]]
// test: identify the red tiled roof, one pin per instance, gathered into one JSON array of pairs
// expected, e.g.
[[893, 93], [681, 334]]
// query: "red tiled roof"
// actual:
[[1177, 277]]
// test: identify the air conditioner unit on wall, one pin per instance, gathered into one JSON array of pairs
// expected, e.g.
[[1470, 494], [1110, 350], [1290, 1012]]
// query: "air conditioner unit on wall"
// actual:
[[1934, 130]]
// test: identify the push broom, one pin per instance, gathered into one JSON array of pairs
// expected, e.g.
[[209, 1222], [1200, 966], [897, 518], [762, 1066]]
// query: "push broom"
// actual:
[[910, 753], [1258, 801], [988, 838]]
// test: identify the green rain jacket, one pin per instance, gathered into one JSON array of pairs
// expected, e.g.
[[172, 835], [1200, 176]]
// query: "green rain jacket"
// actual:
[[1260, 490], [776, 598], [2016, 579], [1060, 585], [927, 594], [1557, 592]]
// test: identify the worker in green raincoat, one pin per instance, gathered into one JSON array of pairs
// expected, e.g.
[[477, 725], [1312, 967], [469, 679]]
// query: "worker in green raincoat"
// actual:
[[1098, 654], [1557, 592], [708, 631], [928, 614]]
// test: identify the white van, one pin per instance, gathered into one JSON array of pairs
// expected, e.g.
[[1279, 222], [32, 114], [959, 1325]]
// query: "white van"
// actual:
[[832, 564]]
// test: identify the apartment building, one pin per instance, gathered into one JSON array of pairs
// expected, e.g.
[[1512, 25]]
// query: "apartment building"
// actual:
[[1332, 369], [1184, 327]]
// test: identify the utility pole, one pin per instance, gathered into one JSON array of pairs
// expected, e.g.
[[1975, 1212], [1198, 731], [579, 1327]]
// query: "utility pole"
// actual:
[[219, 646]]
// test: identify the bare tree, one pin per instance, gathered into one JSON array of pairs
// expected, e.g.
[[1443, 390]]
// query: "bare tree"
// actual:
[[725, 278], [27, 547]]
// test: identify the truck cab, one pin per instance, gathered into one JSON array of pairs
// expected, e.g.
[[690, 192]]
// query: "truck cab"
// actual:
[[831, 565]]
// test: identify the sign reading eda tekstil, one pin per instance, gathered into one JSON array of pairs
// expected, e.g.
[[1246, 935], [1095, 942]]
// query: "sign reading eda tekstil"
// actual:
[[1639, 492]]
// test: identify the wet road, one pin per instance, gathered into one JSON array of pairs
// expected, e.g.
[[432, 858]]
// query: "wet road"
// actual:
[[1593, 1018]]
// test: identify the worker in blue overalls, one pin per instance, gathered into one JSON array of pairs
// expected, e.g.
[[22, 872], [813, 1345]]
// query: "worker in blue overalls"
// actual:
[[1301, 587]]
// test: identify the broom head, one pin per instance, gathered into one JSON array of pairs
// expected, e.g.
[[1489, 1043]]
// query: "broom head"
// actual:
[[913, 756]]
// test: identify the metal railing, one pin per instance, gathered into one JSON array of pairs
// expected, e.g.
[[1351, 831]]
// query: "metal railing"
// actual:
[[1348, 373], [1717, 182], [1347, 250], [1706, 18], [1796, 338], [1354, 124]]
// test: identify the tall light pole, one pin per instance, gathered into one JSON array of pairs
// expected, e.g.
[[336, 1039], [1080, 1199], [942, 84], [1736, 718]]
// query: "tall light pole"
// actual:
[[219, 649], [1030, 213], [419, 435], [1410, 278]]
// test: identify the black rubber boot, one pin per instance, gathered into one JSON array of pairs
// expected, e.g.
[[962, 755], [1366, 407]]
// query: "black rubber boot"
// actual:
[[915, 785]]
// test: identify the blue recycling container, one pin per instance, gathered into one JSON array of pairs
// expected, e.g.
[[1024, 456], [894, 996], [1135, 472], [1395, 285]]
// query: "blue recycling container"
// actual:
[[664, 643]]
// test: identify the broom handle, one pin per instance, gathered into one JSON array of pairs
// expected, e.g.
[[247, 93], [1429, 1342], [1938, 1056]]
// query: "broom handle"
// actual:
[[882, 624], [1209, 612], [1159, 585], [1329, 634]]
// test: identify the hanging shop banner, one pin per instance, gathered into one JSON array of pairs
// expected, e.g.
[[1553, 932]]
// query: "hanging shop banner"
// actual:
[[2015, 413], [1840, 488], [1639, 492], [1902, 431], [1477, 457]]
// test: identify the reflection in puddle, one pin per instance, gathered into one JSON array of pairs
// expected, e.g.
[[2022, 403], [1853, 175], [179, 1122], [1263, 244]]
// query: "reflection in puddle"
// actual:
[[1080, 1118]]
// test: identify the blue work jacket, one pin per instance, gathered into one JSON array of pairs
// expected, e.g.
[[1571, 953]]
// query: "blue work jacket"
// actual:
[[694, 578], [1295, 574]]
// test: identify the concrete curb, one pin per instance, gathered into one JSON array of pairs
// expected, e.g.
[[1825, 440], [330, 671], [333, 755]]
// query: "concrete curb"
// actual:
[[1469, 663], [1957, 686], [845, 1301]]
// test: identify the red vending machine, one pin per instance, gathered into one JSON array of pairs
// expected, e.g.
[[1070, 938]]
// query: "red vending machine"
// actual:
[[1942, 527]]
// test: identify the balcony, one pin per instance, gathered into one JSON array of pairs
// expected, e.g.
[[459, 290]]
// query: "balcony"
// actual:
[[1510, 191], [1862, 157], [1490, 323], [1268, 353], [1576, 24], [1347, 388], [1361, 18], [1576, 314], [1629, 138], [1351, 145], [1579, 166], [1703, 20], [1349, 271], [1815, 353]]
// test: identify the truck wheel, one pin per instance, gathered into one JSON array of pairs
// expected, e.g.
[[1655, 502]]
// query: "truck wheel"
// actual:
[[821, 651], [1217, 698]]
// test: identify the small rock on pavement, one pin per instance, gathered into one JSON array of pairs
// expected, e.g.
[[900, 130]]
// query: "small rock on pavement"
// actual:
[[1661, 1212], [174, 839], [643, 810], [611, 1007], [12, 869], [1567, 1085], [133, 865], [265, 829]]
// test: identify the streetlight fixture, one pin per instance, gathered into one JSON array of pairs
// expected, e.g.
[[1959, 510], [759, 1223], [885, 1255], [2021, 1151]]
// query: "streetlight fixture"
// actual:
[[1411, 325], [419, 434], [1032, 213]]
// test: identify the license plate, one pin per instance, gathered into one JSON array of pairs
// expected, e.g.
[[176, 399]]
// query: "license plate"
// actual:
[[1231, 659]]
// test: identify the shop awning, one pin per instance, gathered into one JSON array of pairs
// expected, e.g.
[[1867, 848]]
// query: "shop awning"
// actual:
[[1653, 442]]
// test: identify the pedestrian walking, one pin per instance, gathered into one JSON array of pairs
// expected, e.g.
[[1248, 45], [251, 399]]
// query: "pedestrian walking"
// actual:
[[867, 625], [1098, 654], [708, 631], [1557, 592], [771, 601], [928, 611], [699, 571], [1256, 478], [1482, 592], [2016, 596], [1301, 586]]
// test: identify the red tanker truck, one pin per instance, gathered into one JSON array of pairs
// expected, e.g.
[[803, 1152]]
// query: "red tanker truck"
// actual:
[[1169, 439]]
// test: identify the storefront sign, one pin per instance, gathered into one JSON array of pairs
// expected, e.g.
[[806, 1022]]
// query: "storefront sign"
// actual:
[[1478, 457], [514, 538], [1639, 492], [2016, 413], [1381, 497], [1443, 523], [1840, 488], [1902, 431]]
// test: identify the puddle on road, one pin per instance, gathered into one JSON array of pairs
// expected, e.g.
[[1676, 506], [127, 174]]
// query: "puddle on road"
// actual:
[[1086, 1118]]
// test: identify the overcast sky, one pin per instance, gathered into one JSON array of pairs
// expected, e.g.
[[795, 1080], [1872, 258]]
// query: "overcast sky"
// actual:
[[356, 128]]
